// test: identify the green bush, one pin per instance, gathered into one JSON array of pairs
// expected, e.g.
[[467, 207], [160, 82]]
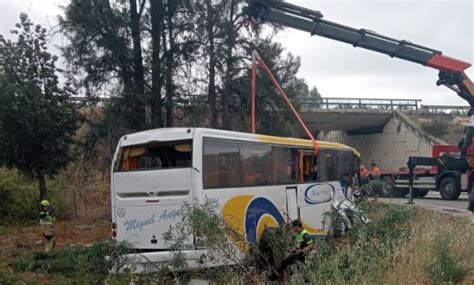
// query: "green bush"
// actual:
[[374, 188], [19, 197], [364, 254], [446, 267], [11, 280], [85, 261], [3, 230], [271, 249], [436, 127]]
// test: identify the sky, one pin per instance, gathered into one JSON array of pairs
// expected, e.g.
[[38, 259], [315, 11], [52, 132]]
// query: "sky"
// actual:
[[338, 69]]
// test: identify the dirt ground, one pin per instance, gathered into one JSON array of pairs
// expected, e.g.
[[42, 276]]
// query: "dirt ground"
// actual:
[[73, 231]]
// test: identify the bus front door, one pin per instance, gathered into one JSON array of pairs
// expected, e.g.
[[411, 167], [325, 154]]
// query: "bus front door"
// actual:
[[292, 203]]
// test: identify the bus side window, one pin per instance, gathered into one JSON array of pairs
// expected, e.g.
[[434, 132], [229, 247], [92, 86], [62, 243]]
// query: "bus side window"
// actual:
[[283, 169]]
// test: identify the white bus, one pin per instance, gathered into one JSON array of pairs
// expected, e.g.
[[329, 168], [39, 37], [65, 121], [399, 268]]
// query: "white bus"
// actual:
[[257, 180]]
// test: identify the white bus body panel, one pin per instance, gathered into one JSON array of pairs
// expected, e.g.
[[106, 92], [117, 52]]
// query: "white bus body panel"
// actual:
[[147, 205], [248, 209], [314, 200]]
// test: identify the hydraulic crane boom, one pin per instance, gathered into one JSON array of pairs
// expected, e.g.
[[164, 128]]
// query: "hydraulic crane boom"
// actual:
[[451, 70]]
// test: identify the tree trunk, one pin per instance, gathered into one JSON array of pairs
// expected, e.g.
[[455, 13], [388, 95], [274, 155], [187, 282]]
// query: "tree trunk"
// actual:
[[212, 66], [42, 187], [138, 66], [170, 66], [231, 34], [156, 7], [164, 44]]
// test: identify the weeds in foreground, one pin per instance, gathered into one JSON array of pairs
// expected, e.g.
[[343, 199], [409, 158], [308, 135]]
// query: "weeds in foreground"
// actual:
[[374, 188], [393, 249], [446, 267], [362, 256], [223, 243], [93, 262], [364, 253]]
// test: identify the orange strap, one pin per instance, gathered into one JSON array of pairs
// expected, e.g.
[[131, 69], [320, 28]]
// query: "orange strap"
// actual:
[[257, 58]]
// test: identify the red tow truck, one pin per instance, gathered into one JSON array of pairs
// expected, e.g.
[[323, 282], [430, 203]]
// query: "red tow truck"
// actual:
[[451, 166], [446, 177]]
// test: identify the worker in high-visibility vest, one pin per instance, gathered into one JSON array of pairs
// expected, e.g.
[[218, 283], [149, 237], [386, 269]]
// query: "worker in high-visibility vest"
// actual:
[[47, 224], [303, 243], [364, 174], [374, 171]]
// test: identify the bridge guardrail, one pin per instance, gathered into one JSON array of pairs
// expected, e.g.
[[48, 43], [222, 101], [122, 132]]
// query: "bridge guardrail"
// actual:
[[357, 103], [325, 103]]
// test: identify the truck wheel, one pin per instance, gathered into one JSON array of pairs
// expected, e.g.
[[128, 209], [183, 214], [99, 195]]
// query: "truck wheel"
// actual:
[[420, 193], [388, 189], [402, 192], [448, 188]]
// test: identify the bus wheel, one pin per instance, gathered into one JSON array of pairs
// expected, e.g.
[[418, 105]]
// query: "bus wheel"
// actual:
[[448, 188]]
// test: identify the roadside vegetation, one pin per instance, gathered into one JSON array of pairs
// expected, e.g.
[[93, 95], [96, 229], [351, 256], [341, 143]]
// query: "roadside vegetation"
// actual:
[[401, 245], [448, 127], [193, 69]]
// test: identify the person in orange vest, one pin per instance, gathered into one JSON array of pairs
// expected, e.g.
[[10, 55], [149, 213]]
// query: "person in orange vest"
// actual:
[[364, 174], [374, 171]]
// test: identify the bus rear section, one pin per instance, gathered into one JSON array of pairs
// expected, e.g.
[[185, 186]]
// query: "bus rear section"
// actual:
[[152, 178]]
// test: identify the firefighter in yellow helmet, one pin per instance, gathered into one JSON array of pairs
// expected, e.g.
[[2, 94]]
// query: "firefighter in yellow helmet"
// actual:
[[47, 224]]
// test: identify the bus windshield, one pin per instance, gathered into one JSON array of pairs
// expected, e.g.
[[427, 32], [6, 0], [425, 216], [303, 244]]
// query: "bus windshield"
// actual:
[[156, 155]]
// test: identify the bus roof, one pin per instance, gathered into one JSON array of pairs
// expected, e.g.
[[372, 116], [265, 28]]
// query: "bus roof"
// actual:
[[168, 134]]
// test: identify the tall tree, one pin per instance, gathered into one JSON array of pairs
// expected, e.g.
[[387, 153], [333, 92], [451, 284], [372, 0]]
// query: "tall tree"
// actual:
[[235, 57], [169, 59], [314, 92], [100, 56], [231, 29], [156, 8], [37, 123], [211, 23], [273, 115], [138, 63]]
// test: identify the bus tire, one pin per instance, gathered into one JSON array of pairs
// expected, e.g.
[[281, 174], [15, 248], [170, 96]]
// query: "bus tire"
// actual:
[[448, 188]]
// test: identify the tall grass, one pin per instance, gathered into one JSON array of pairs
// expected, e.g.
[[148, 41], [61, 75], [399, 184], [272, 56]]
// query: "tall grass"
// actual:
[[19, 195], [446, 267], [364, 255], [88, 263], [414, 260], [401, 245]]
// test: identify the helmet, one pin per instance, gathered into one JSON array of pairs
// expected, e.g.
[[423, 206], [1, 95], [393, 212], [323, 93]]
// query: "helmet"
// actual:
[[45, 203]]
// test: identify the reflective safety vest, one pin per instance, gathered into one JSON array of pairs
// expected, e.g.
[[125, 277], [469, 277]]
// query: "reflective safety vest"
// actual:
[[46, 218], [375, 171], [302, 239], [364, 173], [47, 223]]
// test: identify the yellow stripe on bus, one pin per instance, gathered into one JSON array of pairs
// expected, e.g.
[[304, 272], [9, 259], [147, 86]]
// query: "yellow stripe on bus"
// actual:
[[304, 143]]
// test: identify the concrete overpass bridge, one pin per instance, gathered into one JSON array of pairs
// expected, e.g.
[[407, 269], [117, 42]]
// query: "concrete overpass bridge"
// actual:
[[378, 128]]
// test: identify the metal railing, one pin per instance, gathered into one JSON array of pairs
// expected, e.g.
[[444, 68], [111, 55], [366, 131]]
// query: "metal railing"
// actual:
[[357, 103], [444, 108], [322, 103]]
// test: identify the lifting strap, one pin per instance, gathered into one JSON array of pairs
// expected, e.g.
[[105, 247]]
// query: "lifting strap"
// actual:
[[256, 58]]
